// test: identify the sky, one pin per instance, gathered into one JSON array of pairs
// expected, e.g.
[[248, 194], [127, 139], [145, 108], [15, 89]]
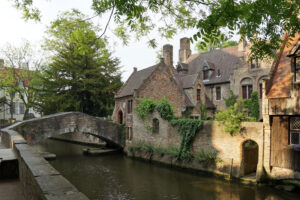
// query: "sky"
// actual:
[[14, 29]]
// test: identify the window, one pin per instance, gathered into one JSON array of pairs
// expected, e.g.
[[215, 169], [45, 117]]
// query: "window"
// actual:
[[218, 93], [260, 90], [129, 106], [246, 90], [205, 73], [218, 73], [255, 64], [295, 130], [129, 133], [155, 125], [22, 108], [198, 94], [194, 117]]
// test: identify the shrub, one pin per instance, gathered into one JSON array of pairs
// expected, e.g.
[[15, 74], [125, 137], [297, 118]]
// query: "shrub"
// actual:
[[231, 118], [252, 105], [145, 107], [164, 109]]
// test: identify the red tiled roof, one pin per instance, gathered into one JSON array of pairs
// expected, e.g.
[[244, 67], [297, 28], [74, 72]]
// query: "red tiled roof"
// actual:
[[280, 81]]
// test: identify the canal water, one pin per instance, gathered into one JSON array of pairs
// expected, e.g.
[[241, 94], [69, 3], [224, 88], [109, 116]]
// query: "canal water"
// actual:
[[115, 176]]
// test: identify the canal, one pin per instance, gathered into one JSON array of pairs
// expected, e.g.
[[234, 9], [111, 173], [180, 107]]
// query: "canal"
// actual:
[[117, 177]]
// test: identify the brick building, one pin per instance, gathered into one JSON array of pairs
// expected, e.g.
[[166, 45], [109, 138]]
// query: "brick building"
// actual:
[[281, 111], [201, 78]]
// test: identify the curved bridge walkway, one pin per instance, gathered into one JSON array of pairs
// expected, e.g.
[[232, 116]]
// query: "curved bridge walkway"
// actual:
[[39, 129]]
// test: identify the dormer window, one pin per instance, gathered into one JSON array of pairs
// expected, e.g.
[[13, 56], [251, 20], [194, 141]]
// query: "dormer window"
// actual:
[[255, 64], [218, 73], [205, 73]]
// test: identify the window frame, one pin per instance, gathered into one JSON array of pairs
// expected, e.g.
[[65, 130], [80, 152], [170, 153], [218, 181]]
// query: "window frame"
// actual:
[[293, 131], [218, 93], [248, 91], [129, 106], [198, 94], [155, 126]]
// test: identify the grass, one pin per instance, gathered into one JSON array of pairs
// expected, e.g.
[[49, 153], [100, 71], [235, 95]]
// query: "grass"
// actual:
[[200, 156]]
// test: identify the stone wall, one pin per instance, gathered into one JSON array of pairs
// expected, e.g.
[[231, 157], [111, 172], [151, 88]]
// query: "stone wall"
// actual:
[[78, 137], [38, 178], [211, 94], [121, 105], [210, 137]]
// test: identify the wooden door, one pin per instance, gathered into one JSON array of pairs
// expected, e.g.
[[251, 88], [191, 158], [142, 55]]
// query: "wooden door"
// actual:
[[281, 155]]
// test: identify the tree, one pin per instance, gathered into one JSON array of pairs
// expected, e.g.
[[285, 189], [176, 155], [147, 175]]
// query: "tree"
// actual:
[[18, 80], [81, 75], [231, 100], [214, 45], [263, 22]]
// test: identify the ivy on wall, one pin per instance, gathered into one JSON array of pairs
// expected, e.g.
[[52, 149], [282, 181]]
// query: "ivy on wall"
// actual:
[[186, 127]]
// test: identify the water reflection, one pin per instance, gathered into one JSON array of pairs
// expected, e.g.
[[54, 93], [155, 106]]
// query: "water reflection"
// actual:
[[117, 177]]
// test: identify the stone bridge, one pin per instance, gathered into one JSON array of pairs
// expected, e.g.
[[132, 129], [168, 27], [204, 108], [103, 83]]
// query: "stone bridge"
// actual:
[[39, 129]]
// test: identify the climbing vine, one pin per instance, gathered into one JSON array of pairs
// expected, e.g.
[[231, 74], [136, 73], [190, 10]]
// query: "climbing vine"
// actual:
[[187, 129], [145, 107], [164, 109]]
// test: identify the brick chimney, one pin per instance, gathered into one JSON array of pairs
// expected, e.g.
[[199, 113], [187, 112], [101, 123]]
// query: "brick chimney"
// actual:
[[168, 54], [242, 44], [185, 49]]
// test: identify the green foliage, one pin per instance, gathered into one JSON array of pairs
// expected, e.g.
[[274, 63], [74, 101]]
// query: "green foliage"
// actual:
[[146, 106], [203, 111], [214, 44], [187, 113], [200, 156], [238, 111], [250, 143], [81, 75], [19, 80], [187, 128], [205, 155], [231, 100], [165, 110], [252, 105], [144, 146], [214, 20], [149, 128], [231, 118]]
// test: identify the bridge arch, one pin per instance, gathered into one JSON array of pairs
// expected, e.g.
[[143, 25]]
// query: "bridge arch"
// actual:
[[39, 129]]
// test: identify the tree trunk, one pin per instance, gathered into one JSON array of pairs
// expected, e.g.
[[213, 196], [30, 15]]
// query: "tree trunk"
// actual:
[[26, 114]]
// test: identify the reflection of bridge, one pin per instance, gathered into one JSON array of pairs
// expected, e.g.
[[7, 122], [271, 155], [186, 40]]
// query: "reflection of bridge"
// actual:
[[39, 129]]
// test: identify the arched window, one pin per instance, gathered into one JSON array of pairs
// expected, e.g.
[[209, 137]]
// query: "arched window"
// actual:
[[155, 125], [247, 88]]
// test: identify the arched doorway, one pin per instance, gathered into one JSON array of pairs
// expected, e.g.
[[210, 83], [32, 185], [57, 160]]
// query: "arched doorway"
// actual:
[[120, 117], [250, 156]]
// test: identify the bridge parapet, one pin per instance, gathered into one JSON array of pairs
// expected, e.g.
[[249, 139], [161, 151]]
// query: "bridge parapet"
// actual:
[[39, 129]]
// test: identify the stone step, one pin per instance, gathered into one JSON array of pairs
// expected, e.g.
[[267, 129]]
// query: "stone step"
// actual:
[[7, 155], [97, 151]]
